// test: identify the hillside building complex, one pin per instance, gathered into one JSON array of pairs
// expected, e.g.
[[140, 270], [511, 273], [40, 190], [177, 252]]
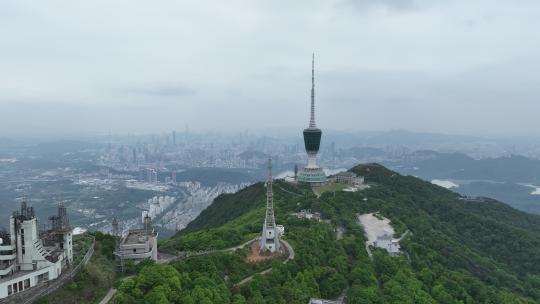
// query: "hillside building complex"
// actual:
[[270, 232], [348, 178], [312, 173], [308, 215], [137, 244], [29, 257]]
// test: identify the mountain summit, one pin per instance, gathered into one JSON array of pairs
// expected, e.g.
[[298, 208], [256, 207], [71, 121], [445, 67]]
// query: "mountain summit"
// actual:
[[453, 249]]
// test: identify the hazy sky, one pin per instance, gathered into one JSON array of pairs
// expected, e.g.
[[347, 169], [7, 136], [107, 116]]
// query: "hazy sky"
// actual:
[[463, 66]]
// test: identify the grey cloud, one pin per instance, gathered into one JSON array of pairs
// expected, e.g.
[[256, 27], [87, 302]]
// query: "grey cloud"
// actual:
[[400, 64], [163, 90], [397, 5]]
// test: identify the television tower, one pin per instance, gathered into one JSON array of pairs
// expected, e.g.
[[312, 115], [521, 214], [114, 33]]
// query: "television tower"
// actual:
[[312, 173], [269, 238]]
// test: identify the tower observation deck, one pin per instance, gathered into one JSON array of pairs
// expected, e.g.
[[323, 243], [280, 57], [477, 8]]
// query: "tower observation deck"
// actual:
[[312, 173]]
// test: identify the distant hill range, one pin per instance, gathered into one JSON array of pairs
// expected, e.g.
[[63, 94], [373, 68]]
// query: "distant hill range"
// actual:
[[431, 164], [510, 179]]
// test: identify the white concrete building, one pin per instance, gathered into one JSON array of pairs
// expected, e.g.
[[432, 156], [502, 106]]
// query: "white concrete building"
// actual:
[[28, 257], [348, 178], [323, 301], [388, 243], [307, 214], [138, 244], [280, 229]]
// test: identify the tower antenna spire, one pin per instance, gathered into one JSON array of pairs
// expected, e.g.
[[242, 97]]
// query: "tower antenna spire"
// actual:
[[312, 119]]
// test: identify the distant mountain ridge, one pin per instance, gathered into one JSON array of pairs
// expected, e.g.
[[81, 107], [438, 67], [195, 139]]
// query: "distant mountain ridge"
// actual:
[[509, 179], [514, 168]]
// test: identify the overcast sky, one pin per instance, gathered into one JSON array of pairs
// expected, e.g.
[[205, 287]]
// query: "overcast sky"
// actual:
[[463, 66]]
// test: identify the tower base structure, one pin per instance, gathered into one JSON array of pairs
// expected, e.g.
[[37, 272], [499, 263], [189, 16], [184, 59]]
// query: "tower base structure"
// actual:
[[315, 176], [270, 240]]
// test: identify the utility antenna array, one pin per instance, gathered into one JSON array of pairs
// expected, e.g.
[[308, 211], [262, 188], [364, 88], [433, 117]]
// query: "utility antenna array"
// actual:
[[269, 238]]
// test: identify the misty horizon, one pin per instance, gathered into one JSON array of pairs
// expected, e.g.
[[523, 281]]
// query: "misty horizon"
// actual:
[[146, 68]]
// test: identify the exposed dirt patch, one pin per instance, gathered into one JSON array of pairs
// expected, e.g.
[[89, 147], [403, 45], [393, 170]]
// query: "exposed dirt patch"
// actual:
[[255, 255]]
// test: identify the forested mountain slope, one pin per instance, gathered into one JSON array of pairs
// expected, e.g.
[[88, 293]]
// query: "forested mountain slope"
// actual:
[[459, 251], [227, 207]]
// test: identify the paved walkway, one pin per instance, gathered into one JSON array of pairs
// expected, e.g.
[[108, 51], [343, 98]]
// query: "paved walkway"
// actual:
[[169, 258], [244, 281], [404, 235], [290, 250], [290, 192], [239, 246], [108, 296]]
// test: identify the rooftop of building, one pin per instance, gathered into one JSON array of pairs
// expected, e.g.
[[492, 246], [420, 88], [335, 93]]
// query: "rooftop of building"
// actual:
[[50, 238], [346, 174], [322, 301], [138, 236], [54, 255]]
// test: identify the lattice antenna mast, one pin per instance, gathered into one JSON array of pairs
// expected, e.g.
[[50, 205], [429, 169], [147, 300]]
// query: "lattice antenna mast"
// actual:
[[115, 232], [269, 220], [312, 119]]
